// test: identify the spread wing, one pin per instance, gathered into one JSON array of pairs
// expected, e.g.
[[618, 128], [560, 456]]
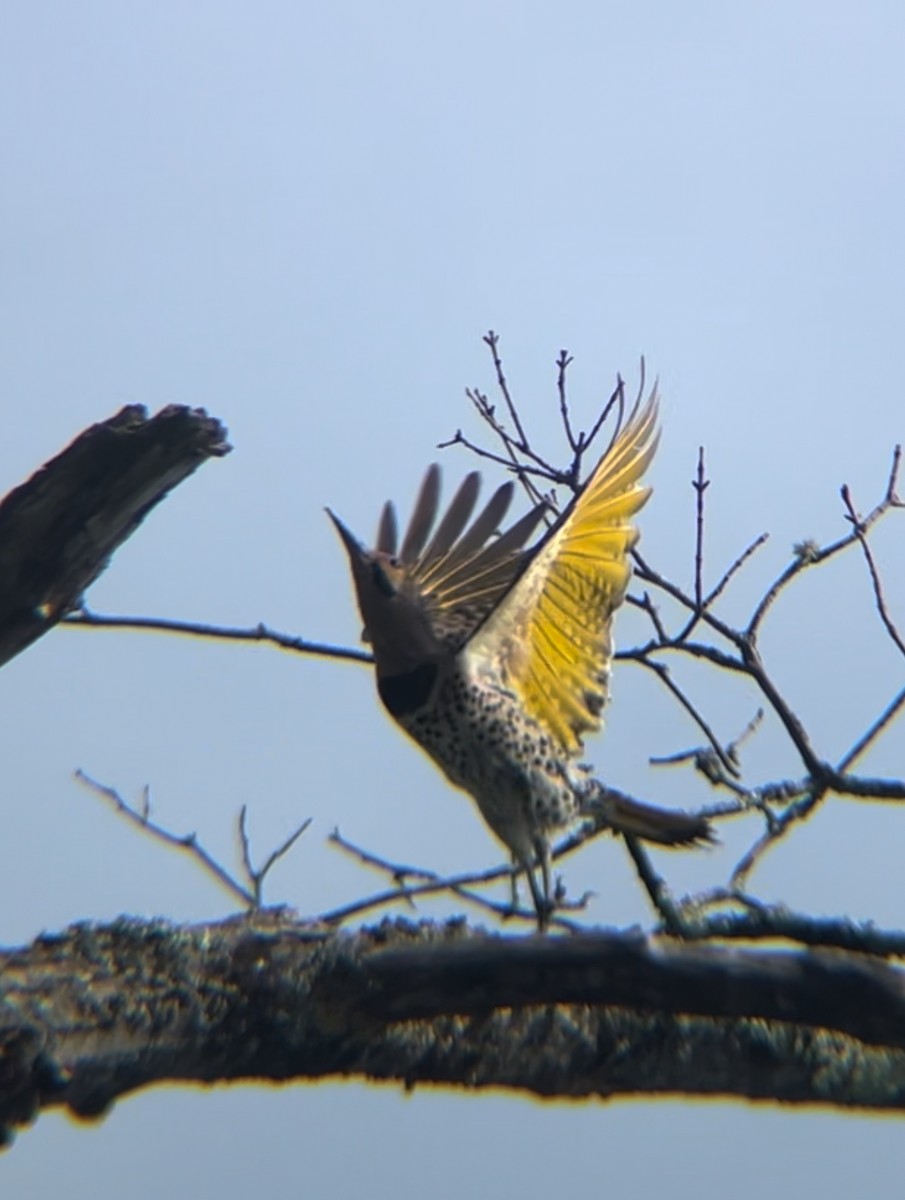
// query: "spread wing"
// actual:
[[549, 636], [460, 569]]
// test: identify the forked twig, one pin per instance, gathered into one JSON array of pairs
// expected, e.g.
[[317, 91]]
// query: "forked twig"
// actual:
[[257, 875], [248, 893], [734, 568], [809, 553]]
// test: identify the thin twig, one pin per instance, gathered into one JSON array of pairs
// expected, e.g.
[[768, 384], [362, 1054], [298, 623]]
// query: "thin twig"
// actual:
[[249, 894], [617, 398], [86, 619], [188, 841], [513, 446], [562, 365], [521, 470], [646, 572], [775, 832], [661, 670], [461, 886], [459, 439], [879, 598], [750, 663], [755, 851], [647, 605], [810, 554], [713, 767], [798, 735], [492, 341], [257, 875], [700, 485], [735, 567], [873, 732]]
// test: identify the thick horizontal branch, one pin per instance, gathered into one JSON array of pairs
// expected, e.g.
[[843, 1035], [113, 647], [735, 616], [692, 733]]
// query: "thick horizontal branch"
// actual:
[[96, 1012], [864, 999], [59, 528]]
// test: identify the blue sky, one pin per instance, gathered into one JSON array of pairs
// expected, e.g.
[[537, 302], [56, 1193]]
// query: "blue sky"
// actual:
[[303, 218]]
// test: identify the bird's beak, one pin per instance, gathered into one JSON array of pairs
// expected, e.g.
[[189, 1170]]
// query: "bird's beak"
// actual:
[[354, 548], [357, 558]]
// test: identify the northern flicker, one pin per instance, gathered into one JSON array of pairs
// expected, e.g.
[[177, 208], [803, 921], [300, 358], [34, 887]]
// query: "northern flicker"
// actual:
[[496, 659]]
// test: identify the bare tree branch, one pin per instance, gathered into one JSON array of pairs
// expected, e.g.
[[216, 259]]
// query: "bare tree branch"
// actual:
[[86, 619], [59, 529], [700, 485], [861, 534], [810, 554], [873, 731], [463, 886], [248, 893], [562, 366], [736, 566], [493, 341], [600, 1015], [592, 1014]]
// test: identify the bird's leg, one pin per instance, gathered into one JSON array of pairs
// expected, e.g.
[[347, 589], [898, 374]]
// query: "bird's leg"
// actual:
[[543, 905], [513, 882]]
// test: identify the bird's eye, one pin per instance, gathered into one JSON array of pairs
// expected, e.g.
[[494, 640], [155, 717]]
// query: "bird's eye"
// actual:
[[381, 580]]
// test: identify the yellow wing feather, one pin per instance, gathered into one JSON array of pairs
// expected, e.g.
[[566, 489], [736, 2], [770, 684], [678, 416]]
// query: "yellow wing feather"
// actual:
[[549, 636]]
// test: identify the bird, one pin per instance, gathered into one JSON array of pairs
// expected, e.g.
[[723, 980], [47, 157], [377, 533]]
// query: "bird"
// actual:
[[495, 658]]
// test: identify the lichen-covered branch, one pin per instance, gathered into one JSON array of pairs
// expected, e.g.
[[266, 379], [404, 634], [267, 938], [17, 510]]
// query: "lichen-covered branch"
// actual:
[[97, 1012]]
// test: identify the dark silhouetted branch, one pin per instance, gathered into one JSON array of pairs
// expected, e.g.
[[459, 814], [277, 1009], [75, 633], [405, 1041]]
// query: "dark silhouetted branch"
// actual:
[[86, 619], [97, 1012], [248, 892], [59, 529]]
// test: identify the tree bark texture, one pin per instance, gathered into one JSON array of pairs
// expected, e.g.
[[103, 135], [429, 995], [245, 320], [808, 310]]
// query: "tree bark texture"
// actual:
[[99, 1011]]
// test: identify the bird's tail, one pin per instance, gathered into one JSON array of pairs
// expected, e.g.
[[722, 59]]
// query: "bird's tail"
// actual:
[[665, 826]]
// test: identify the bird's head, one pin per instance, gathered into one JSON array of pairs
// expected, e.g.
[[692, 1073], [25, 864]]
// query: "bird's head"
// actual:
[[392, 606]]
